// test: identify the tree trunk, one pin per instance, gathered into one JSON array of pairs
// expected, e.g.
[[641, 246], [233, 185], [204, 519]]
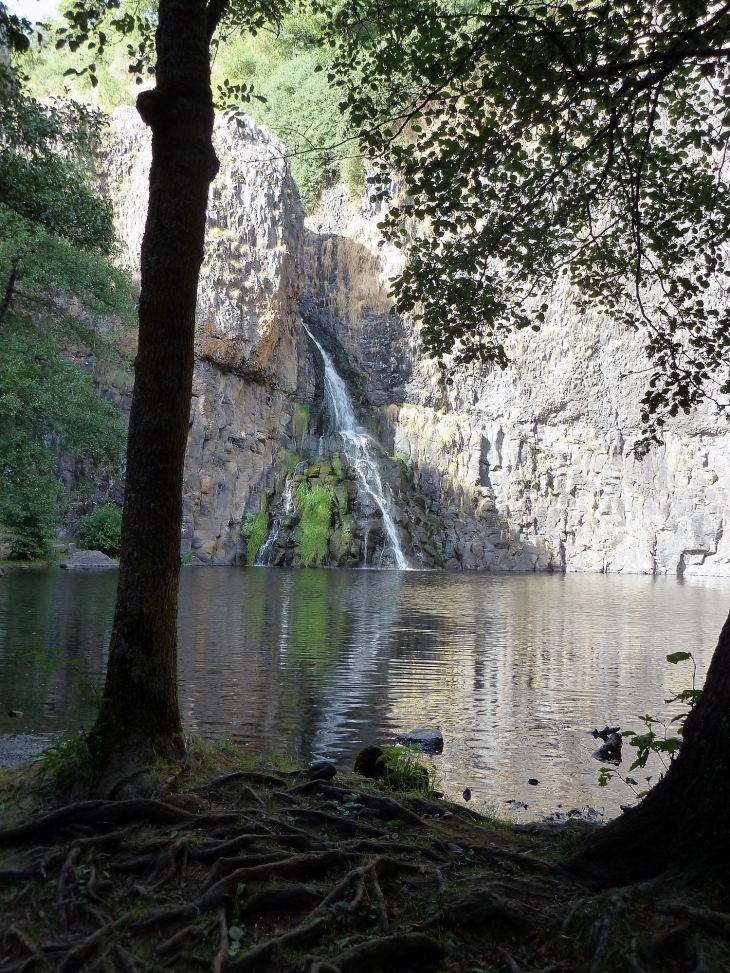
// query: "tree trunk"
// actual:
[[139, 716], [684, 821], [10, 287]]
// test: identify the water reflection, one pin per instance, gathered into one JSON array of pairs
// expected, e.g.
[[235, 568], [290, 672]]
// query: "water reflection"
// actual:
[[514, 669]]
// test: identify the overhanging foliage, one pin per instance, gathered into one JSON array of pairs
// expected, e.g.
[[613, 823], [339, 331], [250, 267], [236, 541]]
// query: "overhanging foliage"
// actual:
[[550, 142]]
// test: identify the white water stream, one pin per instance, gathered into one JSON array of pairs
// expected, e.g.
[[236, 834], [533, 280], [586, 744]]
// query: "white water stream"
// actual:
[[263, 557], [360, 451]]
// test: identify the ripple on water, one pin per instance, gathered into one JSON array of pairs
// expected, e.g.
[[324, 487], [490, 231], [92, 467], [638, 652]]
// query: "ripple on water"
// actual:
[[515, 669]]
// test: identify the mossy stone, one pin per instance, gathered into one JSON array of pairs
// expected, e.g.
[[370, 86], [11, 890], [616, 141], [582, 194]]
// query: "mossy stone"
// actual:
[[341, 497], [339, 546], [349, 524]]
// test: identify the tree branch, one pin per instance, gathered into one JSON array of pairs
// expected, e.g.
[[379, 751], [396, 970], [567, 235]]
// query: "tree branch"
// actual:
[[215, 11]]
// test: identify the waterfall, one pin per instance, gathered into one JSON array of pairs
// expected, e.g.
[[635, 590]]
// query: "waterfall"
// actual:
[[360, 450], [263, 556]]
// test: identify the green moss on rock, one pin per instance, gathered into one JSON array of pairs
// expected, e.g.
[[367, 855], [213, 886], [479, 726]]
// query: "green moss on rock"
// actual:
[[254, 529], [315, 504]]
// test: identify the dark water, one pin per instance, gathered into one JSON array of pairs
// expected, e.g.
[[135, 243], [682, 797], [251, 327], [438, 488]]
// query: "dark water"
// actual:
[[514, 669]]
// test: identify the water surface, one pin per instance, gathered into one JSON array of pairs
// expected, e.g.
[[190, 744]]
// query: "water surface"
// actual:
[[515, 669]]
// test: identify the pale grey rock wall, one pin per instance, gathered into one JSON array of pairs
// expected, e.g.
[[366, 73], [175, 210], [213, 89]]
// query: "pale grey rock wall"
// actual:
[[531, 468], [253, 362]]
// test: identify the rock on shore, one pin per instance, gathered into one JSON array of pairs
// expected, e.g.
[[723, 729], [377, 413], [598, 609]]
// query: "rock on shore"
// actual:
[[87, 561]]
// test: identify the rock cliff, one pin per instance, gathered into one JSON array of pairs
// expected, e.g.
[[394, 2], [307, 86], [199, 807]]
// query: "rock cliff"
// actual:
[[527, 469], [253, 363], [531, 468]]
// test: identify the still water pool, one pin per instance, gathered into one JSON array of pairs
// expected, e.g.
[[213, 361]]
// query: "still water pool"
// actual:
[[514, 669]]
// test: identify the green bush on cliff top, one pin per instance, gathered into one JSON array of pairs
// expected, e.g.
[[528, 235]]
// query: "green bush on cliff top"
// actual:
[[298, 105]]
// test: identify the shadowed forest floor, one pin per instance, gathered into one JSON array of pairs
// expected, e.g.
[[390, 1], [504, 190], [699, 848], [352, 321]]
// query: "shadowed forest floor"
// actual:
[[223, 864]]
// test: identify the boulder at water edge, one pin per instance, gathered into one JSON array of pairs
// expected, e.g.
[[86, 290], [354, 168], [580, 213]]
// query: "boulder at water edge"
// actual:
[[432, 741], [87, 561]]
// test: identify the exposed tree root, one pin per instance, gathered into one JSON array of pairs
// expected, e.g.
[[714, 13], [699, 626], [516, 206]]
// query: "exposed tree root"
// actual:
[[336, 820], [715, 922], [385, 806], [219, 960], [258, 957], [113, 812], [402, 951], [132, 886]]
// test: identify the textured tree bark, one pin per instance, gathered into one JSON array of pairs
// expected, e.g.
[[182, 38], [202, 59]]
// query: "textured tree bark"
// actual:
[[139, 716], [684, 821]]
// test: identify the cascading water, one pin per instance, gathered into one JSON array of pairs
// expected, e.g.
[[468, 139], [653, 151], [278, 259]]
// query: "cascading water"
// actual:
[[360, 451], [263, 556]]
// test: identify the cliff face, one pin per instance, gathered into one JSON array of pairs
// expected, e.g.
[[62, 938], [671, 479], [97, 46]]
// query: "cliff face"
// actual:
[[527, 469], [531, 468], [253, 362]]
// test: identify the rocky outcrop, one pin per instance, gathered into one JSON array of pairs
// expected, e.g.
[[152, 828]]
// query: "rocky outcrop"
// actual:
[[531, 468], [527, 469], [87, 561], [254, 367]]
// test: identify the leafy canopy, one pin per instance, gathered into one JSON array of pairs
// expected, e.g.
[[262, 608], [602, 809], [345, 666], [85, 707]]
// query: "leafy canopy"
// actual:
[[47, 405], [273, 71], [56, 236], [545, 143]]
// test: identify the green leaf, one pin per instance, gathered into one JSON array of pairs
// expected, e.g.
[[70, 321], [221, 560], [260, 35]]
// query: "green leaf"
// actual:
[[675, 657]]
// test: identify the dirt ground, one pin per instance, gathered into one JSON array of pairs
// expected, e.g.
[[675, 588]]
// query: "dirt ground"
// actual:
[[223, 863]]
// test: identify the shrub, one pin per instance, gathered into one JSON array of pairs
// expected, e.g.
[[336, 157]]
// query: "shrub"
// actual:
[[47, 405], [402, 770], [30, 502], [315, 503], [254, 529], [101, 530]]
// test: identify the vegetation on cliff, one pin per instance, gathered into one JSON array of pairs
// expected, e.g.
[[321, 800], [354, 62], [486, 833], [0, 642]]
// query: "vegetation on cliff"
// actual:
[[254, 530], [56, 280], [289, 95]]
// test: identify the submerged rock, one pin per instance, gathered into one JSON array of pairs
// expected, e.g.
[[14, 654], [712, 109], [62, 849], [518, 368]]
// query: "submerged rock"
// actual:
[[431, 741], [87, 561]]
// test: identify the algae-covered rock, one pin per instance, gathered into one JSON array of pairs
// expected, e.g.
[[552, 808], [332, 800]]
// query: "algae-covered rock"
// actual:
[[339, 547], [342, 496], [339, 466]]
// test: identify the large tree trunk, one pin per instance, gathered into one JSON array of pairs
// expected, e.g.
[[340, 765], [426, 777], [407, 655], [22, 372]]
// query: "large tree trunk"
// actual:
[[684, 821], [139, 715]]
